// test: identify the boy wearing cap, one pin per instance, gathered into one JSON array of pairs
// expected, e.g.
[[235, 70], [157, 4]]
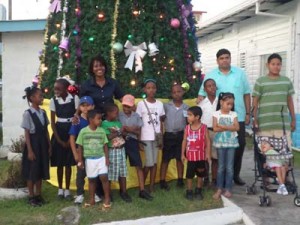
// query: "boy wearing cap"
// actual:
[[132, 123], [86, 104]]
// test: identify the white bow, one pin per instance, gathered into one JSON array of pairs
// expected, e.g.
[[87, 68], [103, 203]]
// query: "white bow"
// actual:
[[136, 53]]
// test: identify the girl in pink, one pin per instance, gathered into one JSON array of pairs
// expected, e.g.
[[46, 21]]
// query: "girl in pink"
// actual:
[[196, 150]]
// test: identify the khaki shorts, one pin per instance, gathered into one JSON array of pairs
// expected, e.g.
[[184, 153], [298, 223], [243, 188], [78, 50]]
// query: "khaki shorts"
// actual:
[[214, 154], [151, 152]]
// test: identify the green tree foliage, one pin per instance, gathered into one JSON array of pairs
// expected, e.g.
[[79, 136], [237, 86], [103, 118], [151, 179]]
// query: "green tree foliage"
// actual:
[[151, 25]]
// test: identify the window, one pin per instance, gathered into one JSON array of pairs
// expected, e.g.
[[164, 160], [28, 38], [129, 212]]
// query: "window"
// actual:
[[243, 60], [264, 59]]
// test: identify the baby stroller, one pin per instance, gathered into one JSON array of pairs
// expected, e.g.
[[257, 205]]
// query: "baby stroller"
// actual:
[[280, 145]]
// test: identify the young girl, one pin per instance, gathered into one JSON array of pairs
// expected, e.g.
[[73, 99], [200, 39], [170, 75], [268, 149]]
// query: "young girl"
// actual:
[[226, 125], [35, 161], [196, 150], [62, 106], [151, 112]]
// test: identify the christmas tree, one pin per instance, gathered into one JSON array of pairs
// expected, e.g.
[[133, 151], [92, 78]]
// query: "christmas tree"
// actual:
[[138, 38]]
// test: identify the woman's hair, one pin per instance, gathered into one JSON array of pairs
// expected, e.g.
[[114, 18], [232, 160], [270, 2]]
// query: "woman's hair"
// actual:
[[64, 82], [97, 58], [274, 56], [209, 79], [92, 113], [148, 81], [196, 111], [223, 96], [30, 91]]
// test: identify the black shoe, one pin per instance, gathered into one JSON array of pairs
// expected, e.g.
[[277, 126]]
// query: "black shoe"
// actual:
[[33, 202], [189, 195], [239, 181], [206, 181], [145, 195], [198, 193], [164, 185], [40, 200], [125, 197], [180, 183]]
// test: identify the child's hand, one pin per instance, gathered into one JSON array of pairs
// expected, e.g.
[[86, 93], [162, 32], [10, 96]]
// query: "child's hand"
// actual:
[[80, 165], [183, 158], [31, 156], [208, 158], [75, 120]]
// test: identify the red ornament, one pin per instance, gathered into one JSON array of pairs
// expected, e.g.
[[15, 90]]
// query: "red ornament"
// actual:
[[73, 89], [175, 23]]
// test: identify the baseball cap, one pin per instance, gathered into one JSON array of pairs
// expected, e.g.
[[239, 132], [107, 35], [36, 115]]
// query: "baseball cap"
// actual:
[[86, 99], [128, 100]]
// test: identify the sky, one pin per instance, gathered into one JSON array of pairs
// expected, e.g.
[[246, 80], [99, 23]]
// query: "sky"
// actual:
[[38, 9]]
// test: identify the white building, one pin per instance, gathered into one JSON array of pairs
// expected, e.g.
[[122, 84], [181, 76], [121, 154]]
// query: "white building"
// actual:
[[252, 31]]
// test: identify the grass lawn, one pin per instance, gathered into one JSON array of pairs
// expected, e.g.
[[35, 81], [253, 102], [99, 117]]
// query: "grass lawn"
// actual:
[[165, 203], [296, 159]]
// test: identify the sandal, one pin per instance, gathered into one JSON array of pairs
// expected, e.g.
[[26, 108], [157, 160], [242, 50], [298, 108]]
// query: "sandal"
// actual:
[[227, 194], [87, 205], [217, 194], [106, 207]]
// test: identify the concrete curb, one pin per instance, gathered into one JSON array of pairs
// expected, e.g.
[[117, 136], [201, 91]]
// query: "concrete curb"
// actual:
[[230, 214], [12, 193]]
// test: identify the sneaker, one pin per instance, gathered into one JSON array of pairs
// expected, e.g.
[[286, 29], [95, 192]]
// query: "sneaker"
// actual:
[[33, 202], [284, 190], [164, 185], [279, 190], [189, 195], [60, 194], [125, 197], [68, 195], [79, 199], [97, 199], [198, 193], [40, 200], [145, 195], [180, 183]]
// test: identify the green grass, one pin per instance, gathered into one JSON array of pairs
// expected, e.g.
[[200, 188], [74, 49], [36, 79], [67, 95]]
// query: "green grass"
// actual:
[[165, 203], [296, 159]]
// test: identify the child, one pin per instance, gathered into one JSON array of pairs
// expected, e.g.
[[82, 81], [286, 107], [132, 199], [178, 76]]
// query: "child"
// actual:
[[273, 95], [208, 106], [117, 169], [174, 124], [35, 161], [62, 106], [131, 124], [225, 125], [86, 104], [151, 112], [279, 165], [92, 146], [196, 150]]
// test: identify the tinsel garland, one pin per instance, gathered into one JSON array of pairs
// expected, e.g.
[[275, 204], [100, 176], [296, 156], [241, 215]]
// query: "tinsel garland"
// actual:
[[78, 44], [113, 38]]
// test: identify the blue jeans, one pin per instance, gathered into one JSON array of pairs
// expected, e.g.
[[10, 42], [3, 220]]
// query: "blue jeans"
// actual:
[[225, 168]]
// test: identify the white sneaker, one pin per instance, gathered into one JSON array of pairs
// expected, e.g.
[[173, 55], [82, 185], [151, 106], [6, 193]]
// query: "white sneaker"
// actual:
[[284, 190], [97, 199], [79, 199], [279, 190]]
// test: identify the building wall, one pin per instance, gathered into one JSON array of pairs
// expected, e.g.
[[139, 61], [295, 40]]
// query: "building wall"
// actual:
[[253, 38], [20, 65]]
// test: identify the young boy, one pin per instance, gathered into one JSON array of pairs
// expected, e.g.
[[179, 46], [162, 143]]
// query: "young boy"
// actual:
[[174, 124], [86, 104], [92, 146], [117, 170], [208, 106], [131, 124]]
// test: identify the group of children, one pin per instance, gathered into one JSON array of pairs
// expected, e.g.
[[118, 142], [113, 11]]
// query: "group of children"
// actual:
[[201, 135]]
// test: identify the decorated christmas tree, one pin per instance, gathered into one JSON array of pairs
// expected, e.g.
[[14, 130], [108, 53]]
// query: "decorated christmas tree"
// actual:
[[138, 38]]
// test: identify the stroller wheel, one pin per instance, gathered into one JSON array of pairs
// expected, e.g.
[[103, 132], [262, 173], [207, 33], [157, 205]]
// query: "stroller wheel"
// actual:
[[297, 201], [251, 190], [268, 200], [254, 190], [261, 201]]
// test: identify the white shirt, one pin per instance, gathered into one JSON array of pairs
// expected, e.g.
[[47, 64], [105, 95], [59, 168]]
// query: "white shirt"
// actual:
[[156, 110], [61, 101], [207, 111]]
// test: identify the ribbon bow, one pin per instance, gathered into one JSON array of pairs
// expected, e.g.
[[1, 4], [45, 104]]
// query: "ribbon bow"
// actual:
[[185, 13], [136, 53], [55, 6]]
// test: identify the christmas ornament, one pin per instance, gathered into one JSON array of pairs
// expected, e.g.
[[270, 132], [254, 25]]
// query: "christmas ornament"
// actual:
[[197, 66], [64, 44], [175, 23], [135, 53], [55, 6], [36, 80], [117, 47], [153, 50], [73, 89], [101, 16], [54, 39], [185, 86]]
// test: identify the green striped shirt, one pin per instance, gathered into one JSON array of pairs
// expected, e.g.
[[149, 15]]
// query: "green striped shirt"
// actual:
[[272, 99]]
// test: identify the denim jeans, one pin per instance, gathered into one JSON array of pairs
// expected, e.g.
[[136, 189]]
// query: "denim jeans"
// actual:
[[225, 168]]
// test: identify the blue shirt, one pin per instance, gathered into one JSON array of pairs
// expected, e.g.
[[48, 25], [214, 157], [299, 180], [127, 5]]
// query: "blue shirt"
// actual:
[[101, 95], [75, 129], [235, 82]]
